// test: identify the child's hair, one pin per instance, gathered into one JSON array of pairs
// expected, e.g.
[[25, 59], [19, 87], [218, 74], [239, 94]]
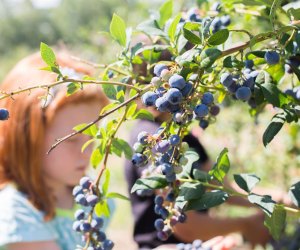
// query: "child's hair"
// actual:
[[22, 135]]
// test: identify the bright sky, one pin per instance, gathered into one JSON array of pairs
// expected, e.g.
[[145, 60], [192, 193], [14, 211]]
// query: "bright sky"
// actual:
[[44, 4]]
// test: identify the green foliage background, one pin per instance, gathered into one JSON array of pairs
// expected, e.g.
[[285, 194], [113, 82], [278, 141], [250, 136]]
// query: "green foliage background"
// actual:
[[82, 25]]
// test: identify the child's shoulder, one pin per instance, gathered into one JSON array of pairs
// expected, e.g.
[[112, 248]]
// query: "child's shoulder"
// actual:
[[20, 220]]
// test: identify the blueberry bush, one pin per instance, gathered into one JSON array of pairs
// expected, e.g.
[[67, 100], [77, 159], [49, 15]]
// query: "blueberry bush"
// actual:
[[203, 69]]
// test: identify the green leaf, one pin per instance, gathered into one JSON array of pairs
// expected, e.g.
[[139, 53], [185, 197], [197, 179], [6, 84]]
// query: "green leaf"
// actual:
[[106, 182], [123, 146], [118, 30], [173, 28], [165, 12], [201, 175], [86, 144], [274, 127], [131, 110], [261, 37], [151, 28], [109, 106], [180, 202], [191, 156], [96, 157], [102, 208], [144, 114], [263, 77], [110, 91], [219, 37], [72, 88], [273, 95], [209, 56], [117, 195], [191, 191], [208, 200], [276, 4], [221, 167], [187, 56], [276, 222], [246, 181], [153, 182], [91, 131], [232, 62], [263, 201], [48, 55], [294, 193], [191, 37]]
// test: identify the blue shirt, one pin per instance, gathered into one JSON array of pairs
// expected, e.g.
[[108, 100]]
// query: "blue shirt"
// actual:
[[20, 221]]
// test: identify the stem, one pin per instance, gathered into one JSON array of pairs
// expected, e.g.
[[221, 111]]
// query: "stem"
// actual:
[[60, 140]]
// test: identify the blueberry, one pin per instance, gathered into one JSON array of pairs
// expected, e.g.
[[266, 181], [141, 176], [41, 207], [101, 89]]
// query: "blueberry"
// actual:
[[107, 245], [139, 160], [182, 218], [187, 90], [85, 226], [207, 98], [170, 197], [80, 199], [165, 74], [174, 140], [76, 225], [85, 182], [188, 246], [214, 110], [156, 81], [243, 93], [225, 20], [110, 74], [197, 243], [163, 236], [177, 81], [226, 79], [249, 81], [92, 199], [4, 114], [174, 96], [233, 87], [79, 214], [171, 177], [201, 110], [157, 209], [166, 169], [162, 104], [158, 68], [178, 117], [216, 6], [149, 98], [173, 108], [160, 91], [272, 57], [143, 137], [77, 190], [159, 224], [159, 200], [249, 64], [254, 73], [180, 246], [162, 146], [97, 223], [101, 236], [203, 124]]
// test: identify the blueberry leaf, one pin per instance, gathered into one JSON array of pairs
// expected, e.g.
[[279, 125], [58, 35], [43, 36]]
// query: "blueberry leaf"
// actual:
[[118, 30], [221, 167], [219, 37], [276, 222], [153, 182], [246, 181], [294, 193]]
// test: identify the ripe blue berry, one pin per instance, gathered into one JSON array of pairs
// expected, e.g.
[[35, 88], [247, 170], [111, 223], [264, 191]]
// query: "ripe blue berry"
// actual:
[[149, 98], [85, 182], [201, 110], [203, 124], [76, 226], [158, 68], [162, 146], [207, 98], [174, 140], [187, 89], [159, 224], [77, 190], [97, 223], [166, 169], [101, 236], [249, 64], [226, 79], [110, 74], [225, 20], [4, 114], [79, 214], [243, 93], [177, 81], [139, 160], [107, 245], [80, 199], [85, 226], [159, 200], [214, 110], [272, 57], [163, 236], [142, 137], [173, 96], [92, 199], [162, 104]]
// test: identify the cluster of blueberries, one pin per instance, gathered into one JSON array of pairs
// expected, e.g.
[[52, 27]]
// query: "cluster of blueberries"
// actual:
[[4, 114], [295, 93], [242, 85], [169, 217], [169, 159], [218, 23], [195, 245], [89, 224], [172, 91]]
